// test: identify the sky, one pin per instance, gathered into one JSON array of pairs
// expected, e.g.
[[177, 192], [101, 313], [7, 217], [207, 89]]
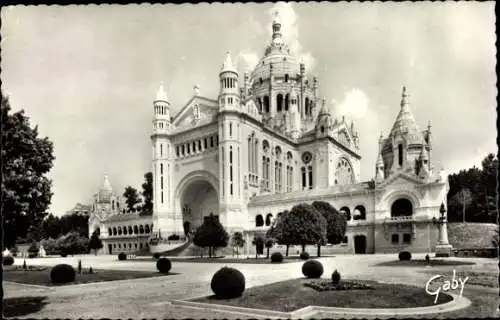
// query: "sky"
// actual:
[[87, 75]]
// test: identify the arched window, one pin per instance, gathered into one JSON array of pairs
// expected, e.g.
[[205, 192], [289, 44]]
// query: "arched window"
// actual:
[[279, 102], [322, 129], [401, 208], [259, 221], [359, 213], [287, 101], [269, 218], [307, 106], [304, 180], [136, 230], [113, 205], [344, 173], [130, 231], [115, 232], [259, 102], [119, 231], [400, 154], [110, 232], [310, 172], [266, 104], [347, 212], [141, 229], [124, 230], [286, 77], [146, 229]]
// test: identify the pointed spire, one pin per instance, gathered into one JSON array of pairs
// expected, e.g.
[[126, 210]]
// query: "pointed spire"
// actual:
[[161, 95], [228, 63], [324, 110], [429, 126]]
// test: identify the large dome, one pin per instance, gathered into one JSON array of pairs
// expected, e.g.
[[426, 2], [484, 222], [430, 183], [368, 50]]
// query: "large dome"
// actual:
[[279, 55]]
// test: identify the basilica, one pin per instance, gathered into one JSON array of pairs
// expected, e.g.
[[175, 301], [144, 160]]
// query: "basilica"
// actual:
[[269, 142]]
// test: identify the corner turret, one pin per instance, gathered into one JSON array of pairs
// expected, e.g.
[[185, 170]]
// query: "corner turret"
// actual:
[[161, 105]]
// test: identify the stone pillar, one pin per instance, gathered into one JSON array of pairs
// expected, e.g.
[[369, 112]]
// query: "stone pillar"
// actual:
[[443, 247]]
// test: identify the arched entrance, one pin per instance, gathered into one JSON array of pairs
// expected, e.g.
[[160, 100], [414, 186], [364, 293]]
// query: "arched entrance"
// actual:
[[360, 244], [401, 208], [198, 200]]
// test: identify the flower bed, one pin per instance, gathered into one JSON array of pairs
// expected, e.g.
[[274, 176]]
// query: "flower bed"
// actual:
[[327, 285]]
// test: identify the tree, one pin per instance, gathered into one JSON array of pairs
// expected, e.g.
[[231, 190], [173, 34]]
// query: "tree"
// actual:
[[72, 243], [147, 195], [95, 243], [463, 199], [237, 241], [336, 222], [51, 227], [276, 230], [26, 159], [258, 241], [131, 198], [304, 225], [269, 243], [33, 250], [211, 234]]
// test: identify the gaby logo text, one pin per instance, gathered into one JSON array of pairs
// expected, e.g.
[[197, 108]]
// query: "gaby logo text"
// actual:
[[447, 285]]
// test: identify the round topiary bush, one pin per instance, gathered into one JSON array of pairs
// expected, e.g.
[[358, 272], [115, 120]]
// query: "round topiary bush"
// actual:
[[312, 269], [404, 256], [62, 273], [8, 260], [156, 256], [335, 277], [304, 255], [122, 256], [228, 283], [277, 257], [163, 265]]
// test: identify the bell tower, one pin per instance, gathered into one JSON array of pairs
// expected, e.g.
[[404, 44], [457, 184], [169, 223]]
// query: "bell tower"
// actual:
[[164, 216]]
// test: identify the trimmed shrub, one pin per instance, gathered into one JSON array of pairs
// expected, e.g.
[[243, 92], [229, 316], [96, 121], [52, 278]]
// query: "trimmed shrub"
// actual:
[[91, 271], [404, 256], [427, 258], [335, 277], [122, 256], [62, 273], [156, 256], [277, 257], [304, 255], [163, 265], [173, 237], [312, 269], [24, 265], [228, 283], [79, 266], [8, 260]]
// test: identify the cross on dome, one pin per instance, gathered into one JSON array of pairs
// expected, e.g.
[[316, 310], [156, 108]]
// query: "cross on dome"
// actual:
[[404, 97]]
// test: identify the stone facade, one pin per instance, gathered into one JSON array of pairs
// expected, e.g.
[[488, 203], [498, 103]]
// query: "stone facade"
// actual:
[[270, 142], [119, 231]]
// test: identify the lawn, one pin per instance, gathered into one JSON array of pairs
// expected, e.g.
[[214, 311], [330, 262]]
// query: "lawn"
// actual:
[[423, 263], [290, 295], [41, 276]]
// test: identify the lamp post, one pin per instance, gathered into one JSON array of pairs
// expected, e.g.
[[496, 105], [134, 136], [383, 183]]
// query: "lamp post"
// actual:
[[443, 247]]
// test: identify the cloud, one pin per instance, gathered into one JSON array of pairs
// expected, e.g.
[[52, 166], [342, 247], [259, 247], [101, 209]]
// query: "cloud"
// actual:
[[247, 59], [290, 31], [355, 105]]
